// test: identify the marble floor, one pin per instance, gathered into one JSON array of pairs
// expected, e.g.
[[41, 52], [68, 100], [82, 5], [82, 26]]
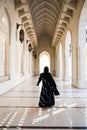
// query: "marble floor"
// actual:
[[19, 108]]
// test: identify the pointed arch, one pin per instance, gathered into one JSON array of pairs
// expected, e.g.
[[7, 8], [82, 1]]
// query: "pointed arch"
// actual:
[[4, 43]]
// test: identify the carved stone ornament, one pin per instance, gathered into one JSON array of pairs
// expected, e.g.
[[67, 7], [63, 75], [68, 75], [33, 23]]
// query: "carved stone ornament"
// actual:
[[21, 35]]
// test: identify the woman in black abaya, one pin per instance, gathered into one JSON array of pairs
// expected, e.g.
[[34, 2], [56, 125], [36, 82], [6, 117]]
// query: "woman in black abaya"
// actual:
[[48, 89]]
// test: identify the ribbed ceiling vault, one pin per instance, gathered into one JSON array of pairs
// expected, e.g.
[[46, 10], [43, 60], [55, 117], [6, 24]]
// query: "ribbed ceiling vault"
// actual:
[[50, 17], [45, 14]]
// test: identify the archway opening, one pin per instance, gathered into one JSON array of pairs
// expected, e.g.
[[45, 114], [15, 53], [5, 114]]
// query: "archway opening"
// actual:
[[44, 61], [4, 44]]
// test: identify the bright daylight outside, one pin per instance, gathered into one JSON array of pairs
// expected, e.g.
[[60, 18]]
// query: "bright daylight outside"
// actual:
[[44, 61]]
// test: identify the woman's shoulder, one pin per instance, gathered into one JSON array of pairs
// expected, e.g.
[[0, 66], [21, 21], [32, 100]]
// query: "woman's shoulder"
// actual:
[[50, 74], [45, 74], [41, 74]]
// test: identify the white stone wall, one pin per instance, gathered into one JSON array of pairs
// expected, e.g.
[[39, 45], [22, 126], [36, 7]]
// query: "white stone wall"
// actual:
[[14, 62]]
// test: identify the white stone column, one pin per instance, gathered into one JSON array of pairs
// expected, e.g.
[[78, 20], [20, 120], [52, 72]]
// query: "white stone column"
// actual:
[[31, 63], [27, 58], [12, 52], [81, 66], [57, 61], [60, 61], [81, 55], [74, 63], [63, 61], [66, 65], [24, 58]]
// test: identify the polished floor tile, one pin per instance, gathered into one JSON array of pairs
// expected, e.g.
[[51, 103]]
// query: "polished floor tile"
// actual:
[[19, 108]]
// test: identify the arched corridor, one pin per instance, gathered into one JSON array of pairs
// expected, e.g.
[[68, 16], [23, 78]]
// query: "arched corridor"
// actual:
[[34, 34]]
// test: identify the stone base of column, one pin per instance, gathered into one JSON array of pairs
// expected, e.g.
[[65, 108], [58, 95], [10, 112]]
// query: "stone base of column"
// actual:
[[82, 83], [75, 84]]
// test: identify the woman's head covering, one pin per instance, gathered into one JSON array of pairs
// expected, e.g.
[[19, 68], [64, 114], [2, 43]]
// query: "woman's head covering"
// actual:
[[46, 69]]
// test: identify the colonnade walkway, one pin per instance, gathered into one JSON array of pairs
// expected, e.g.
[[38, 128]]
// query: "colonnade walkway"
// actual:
[[19, 108]]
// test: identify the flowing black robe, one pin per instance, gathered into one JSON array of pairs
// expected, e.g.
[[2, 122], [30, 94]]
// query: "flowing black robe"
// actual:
[[47, 93]]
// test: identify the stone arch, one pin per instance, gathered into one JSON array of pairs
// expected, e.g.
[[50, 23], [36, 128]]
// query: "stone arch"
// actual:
[[4, 42]]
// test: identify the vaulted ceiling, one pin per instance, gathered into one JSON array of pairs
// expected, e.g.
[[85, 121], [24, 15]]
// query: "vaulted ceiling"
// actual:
[[50, 17], [45, 14]]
